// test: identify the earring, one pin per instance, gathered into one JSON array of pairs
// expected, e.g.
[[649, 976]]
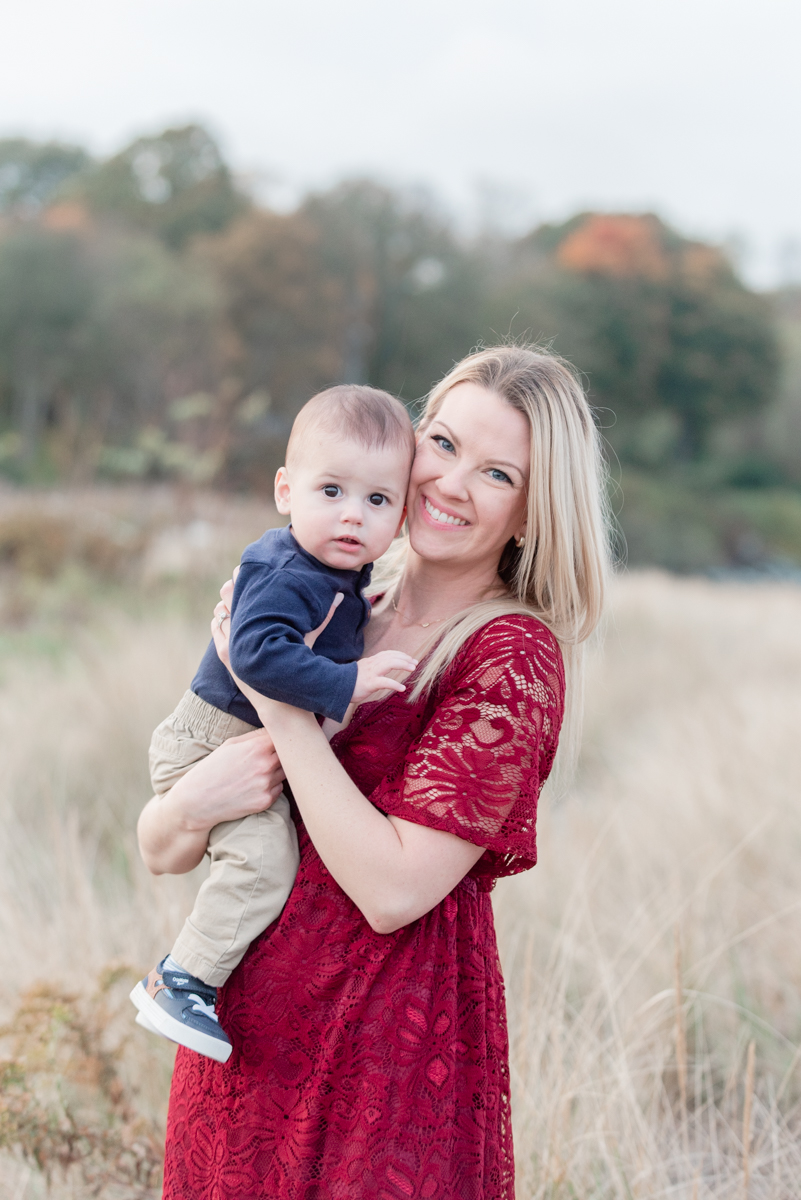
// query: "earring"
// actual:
[[521, 541]]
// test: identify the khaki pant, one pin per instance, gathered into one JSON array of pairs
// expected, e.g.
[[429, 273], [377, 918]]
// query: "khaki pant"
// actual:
[[253, 860]]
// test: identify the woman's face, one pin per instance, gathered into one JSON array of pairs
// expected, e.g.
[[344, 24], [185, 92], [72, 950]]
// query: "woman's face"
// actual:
[[469, 482]]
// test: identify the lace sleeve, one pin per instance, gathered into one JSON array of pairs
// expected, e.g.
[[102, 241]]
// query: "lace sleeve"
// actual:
[[477, 768]]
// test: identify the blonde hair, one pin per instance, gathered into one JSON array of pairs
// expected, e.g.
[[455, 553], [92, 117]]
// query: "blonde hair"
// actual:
[[559, 575]]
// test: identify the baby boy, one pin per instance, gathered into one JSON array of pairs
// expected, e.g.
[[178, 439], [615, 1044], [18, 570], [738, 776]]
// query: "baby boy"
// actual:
[[344, 485]]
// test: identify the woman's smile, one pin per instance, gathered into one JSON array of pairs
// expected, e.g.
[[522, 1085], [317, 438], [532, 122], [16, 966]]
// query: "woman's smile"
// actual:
[[442, 516]]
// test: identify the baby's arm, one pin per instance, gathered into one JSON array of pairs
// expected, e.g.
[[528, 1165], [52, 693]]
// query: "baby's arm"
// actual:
[[270, 618], [271, 613]]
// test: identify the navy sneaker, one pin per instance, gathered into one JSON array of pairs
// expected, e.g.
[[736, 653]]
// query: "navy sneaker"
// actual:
[[180, 1007]]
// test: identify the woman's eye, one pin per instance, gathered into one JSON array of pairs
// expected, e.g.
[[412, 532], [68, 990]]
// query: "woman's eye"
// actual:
[[498, 475], [443, 443], [377, 499], [331, 490]]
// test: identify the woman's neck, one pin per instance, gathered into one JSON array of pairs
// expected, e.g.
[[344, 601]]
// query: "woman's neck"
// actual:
[[431, 591]]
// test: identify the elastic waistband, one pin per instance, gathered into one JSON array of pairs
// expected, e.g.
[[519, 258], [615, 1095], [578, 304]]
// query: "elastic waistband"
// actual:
[[212, 722]]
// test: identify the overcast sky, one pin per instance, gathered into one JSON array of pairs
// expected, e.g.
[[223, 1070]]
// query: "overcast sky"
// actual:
[[520, 109]]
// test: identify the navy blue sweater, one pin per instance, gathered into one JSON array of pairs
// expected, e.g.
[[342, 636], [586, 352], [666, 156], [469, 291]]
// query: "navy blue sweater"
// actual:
[[282, 592]]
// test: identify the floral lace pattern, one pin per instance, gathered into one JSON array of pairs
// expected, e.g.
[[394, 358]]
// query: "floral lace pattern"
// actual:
[[373, 1067]]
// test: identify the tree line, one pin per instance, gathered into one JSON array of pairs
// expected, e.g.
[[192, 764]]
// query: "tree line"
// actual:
[[157, 322]]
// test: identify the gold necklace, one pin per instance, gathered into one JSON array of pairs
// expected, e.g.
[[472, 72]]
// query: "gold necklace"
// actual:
[[422, 624]]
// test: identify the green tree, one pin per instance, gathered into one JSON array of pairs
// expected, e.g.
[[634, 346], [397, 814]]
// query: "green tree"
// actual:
[[282, 332], [99, 334], [412, 295], [174, 185], [45, 297], [723, 360], [670, 340], [32, 174]]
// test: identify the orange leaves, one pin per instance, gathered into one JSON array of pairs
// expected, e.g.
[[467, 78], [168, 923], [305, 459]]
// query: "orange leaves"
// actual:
[[620, 246]]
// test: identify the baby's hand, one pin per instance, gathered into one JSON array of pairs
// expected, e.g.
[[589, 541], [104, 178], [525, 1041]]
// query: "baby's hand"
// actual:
[[372, 676]]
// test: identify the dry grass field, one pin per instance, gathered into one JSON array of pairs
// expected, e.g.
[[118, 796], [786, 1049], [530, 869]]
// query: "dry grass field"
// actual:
[[653, 975], [652, 965]]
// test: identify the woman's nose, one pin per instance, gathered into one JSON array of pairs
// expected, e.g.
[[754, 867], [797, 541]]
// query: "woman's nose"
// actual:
[[454, 482]]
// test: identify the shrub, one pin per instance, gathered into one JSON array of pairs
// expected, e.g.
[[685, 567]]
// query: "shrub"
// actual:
[[64, 1105]]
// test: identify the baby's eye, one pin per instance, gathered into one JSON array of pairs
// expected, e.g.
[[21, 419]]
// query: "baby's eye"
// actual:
[[332, 490], [498, 475], [443, 443], [377, 499]]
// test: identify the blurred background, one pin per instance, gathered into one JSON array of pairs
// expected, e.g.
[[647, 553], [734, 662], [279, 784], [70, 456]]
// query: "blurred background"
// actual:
[[202, 221], [209, 212]]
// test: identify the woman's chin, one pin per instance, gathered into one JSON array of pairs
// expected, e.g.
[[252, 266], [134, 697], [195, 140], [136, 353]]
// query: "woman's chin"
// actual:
[[439, 546]]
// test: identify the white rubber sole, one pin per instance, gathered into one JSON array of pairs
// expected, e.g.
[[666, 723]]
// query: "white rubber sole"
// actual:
[[142, 1020], [154, 1018]]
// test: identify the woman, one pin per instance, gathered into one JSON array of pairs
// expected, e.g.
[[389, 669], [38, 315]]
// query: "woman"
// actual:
[[371, 1055]]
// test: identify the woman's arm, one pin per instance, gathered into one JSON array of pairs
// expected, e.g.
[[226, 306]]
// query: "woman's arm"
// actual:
[[243, 776], [393, 870]]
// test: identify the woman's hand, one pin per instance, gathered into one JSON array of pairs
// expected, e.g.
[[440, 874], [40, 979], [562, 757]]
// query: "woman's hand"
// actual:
[[220, 622], [242, 776]]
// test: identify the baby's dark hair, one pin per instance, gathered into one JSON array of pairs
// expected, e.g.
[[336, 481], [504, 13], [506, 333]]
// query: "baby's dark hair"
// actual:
[[352, 410]]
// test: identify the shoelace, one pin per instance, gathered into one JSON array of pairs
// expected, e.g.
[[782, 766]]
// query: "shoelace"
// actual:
[[207, 1010]]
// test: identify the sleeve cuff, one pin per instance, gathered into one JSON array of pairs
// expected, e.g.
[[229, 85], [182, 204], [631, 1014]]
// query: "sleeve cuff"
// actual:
[[336, 703]]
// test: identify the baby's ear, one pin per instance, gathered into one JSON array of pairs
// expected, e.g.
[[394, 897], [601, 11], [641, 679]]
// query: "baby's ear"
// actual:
[[282, 491]]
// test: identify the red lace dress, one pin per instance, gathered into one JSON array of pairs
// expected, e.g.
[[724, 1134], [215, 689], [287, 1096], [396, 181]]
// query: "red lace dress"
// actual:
[[374, 1067]]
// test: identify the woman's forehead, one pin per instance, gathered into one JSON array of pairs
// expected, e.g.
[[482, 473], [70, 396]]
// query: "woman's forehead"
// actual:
[[482, 419]]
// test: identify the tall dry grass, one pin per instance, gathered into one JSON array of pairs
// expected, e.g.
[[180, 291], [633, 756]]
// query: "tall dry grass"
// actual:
[[76, 904], [652, 968], [653, 981]]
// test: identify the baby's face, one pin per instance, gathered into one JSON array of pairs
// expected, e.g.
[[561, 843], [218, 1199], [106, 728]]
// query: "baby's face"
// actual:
[[346, 501]]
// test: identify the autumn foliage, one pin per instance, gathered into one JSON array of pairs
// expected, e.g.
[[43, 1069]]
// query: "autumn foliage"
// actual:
[[622, 247], [157, 323]]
